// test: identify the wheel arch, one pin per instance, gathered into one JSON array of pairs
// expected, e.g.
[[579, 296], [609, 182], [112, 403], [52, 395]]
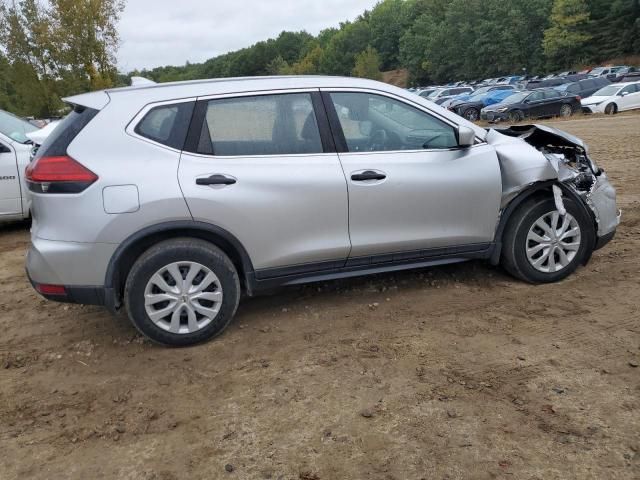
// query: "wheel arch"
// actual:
[[537, 189], [131, 248]]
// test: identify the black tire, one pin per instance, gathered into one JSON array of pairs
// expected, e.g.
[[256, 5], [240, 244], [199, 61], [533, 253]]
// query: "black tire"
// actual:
[[181, 250], [566, 110], [472, 114], [514, 257], [611, 109], [516, 116]]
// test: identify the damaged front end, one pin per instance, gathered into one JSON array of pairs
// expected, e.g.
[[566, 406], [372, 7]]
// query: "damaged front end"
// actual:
[[558, 157]]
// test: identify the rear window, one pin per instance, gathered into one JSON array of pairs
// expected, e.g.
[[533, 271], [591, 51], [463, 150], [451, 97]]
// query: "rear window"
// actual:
[[283, 124], [167, 124], [58, 141]]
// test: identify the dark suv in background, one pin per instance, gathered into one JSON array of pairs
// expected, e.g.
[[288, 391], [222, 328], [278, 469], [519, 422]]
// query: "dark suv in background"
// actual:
[[584, 88]]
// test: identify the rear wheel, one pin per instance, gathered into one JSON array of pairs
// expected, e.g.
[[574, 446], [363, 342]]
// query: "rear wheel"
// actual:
[[611, 109], [541, 245], [566, 110], [182, 292], [472, 114]]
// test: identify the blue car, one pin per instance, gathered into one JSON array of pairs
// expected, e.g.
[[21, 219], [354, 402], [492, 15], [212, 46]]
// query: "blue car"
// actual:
[[470, 108]]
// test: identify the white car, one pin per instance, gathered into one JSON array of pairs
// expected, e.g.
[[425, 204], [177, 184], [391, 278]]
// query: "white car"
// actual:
[[15, 153], [613, 98]]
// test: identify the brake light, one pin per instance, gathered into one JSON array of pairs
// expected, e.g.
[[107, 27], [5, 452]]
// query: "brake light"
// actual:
[[578, 97], [60, 174]]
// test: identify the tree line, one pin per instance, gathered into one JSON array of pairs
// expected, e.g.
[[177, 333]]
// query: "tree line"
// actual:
[[435, 40]]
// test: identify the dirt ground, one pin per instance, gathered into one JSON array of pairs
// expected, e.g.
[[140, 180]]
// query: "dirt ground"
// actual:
[[456, 372]]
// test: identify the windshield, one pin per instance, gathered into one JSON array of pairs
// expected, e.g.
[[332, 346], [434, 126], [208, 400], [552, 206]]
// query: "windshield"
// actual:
[[481, 90], [596, 71], [607, 91], [15, 128], [477, 96], [516, 98], [435, 93]]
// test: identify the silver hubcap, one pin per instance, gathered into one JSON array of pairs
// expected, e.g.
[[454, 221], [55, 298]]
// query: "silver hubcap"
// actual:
[[553, 242], [565, 111], [183, 297]]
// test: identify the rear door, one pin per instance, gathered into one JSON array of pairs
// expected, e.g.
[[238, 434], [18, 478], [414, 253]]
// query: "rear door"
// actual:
[[263, 167], [412, 191], [10, 197]]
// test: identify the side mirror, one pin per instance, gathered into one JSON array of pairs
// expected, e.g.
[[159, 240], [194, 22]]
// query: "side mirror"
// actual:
[[4, 148], [466, 136], [624, 94]]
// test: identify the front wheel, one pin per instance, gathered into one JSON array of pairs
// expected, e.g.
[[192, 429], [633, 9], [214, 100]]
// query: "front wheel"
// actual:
[[611, 109], [472, 114], [516, 116], [543, 246], [181, 292]]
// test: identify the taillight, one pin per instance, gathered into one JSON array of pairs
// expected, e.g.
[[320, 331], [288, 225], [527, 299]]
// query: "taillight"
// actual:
[[61, 174], [578, 97]]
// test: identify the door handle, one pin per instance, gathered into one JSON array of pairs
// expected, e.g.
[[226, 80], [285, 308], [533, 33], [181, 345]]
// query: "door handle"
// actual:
[[216, 180], [368, 175]]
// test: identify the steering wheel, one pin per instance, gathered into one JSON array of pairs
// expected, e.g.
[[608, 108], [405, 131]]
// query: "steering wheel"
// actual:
[[379, 140]]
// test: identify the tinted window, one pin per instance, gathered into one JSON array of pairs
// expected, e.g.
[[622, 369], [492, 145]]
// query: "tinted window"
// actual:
[[167, 124], [261, 125], [535, 96], [549, 94], [373, 123], [57, 142]]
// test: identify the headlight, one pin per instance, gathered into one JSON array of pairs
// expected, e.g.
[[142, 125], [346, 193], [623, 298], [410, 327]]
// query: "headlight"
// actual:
[[502, 110]]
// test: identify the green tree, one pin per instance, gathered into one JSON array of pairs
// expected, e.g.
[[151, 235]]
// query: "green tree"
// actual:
[[368, 65], [57, 48], [567, 37], [388, 21]]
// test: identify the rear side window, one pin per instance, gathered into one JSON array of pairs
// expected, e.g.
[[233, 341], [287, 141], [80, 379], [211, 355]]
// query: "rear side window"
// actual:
[[58, 141], [283, 124], [167, 124]]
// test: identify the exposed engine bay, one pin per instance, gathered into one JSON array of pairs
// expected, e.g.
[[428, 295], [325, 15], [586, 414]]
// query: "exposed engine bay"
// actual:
[[557, 156]]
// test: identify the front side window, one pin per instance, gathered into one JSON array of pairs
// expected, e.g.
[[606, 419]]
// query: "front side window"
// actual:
[[167, 124], [283, 124], [536, 96], [628, 89], [374, 123]]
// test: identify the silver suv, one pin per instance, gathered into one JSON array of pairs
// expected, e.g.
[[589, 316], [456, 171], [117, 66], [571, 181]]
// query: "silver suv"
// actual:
[[171, 200]]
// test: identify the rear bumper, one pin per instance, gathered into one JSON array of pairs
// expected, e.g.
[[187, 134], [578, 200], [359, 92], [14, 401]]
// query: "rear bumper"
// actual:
[[79, 267]]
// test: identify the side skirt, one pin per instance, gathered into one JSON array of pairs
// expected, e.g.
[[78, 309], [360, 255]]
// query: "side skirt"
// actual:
[[359, 266]]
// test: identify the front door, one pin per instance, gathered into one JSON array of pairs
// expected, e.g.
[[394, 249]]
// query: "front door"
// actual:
[[263, 168], [411, 187], [629, 97], [10, 198]]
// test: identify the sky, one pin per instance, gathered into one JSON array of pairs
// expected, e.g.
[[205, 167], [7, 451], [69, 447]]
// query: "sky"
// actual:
[[171, 32]]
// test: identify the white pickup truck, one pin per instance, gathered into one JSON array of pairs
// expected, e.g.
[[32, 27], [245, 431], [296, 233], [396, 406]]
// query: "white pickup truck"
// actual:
[[17, 138]]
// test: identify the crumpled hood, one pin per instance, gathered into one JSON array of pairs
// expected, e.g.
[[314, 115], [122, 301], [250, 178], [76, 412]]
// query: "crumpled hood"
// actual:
[[538, 134]]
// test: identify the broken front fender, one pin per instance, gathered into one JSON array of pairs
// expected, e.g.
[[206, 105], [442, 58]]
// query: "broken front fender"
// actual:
[[530, 154]]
